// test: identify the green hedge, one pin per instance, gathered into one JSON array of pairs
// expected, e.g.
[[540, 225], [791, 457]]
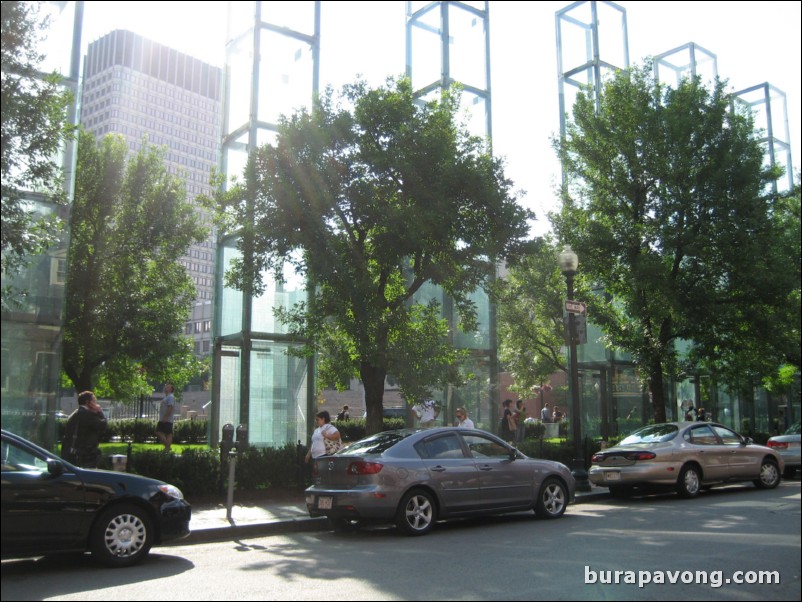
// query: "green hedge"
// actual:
[[144, 431]]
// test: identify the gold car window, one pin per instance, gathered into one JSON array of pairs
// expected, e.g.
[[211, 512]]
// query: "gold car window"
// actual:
[[727, 436], [703, 435]]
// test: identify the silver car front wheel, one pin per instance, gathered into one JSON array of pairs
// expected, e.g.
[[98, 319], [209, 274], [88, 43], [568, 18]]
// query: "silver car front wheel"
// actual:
[[552, 499]]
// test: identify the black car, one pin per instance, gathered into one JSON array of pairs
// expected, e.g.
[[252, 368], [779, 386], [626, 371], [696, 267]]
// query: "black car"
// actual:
[[51, 506]]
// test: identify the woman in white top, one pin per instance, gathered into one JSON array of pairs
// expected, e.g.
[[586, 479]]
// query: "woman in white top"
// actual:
[[462, 419], [325, 431]]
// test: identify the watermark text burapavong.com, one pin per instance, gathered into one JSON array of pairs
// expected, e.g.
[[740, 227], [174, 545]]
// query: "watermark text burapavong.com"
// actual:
[[712, 578]]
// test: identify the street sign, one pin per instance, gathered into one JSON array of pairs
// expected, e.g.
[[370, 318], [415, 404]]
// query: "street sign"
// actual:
[[575, 307]]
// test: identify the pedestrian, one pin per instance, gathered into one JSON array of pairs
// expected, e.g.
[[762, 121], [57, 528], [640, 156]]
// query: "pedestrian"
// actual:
[[325, 438], [164, 428], [701, 415], [545, 413], [85, 427], [462, 419], [427, 412], [689, 415], [558, 415], [506, 425], [520, 417], [343, 415]]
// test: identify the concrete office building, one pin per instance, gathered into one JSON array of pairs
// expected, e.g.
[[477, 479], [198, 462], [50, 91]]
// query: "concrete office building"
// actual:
[[140, 89]]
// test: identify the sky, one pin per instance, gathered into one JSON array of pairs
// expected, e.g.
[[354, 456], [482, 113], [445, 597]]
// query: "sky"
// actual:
[[753, 43]]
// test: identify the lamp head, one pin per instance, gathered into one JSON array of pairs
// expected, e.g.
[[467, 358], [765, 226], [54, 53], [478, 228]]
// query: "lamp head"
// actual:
[[568, 260]]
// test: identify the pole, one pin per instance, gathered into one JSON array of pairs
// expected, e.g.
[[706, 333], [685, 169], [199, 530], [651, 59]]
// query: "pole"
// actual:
[[578, 470]]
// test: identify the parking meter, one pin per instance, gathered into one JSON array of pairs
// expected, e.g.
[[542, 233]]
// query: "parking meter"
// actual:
[[227, 441], [242, 437]]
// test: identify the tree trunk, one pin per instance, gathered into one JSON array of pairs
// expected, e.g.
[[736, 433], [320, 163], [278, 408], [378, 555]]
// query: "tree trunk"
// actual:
[[657, 391], [373, 381]]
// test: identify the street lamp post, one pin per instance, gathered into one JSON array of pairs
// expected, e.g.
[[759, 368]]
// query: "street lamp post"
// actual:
[[569, 262]]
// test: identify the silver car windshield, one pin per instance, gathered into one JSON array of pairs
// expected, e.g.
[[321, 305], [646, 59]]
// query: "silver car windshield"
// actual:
[[656, 433]]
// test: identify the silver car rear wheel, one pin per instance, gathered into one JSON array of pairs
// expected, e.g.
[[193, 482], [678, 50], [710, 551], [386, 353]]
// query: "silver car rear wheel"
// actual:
[[552, 499], [769, 475], [689, 482], [416, 513]]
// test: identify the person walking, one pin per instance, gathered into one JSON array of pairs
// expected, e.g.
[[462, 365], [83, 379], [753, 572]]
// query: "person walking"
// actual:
[[85, 427], [164, 428], [325, 438]]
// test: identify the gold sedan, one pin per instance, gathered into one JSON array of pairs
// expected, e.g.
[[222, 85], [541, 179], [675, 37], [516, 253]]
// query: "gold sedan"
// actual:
[[685, 456]]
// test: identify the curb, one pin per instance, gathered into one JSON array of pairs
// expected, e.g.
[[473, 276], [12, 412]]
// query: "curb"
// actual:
[[295, 525]]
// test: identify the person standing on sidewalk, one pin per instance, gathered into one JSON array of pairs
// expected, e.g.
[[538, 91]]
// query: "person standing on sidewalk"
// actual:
[[85, 427], [427, 412], [462, 419], [164, 429]]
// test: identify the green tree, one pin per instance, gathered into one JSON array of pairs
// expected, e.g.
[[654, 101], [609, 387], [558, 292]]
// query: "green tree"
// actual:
[[665, 203], [370, 203], [127, 296], [34, 126], [530, 318]]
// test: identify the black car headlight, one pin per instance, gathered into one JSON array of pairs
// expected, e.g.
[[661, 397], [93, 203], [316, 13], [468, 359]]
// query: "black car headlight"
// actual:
[[171, 491]]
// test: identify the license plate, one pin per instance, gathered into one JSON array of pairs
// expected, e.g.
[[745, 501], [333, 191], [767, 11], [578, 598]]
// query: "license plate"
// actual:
[[612, 476], [324, 503]]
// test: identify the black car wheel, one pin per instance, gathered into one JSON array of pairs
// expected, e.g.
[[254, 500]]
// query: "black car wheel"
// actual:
[[416, 513], [689, 482], [769, 475], [552, 499], [122, 535]]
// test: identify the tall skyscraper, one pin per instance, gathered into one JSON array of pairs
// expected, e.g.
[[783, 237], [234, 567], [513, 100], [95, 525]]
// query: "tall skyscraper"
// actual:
[[139, 88]]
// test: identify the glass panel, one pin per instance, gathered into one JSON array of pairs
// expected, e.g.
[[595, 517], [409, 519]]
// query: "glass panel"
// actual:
[[285, 76], [467, 51], [426, 62], [480, 338], [231, 301], [239, 70], [230, 366], [277, 395], [612, 34], [473, 110], [297, 16], [236, 157], [241, 18], [277, 294]]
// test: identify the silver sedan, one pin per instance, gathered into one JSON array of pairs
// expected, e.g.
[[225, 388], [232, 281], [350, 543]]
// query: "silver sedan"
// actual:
[[788, 446], [685, 456], [415, 477]]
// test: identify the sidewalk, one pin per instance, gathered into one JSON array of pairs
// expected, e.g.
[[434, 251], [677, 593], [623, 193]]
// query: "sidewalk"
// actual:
[[254, 518]]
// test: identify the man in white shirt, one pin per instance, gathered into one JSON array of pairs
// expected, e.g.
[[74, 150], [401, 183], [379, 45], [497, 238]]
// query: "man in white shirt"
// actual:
[[427, 412], [462, 419]]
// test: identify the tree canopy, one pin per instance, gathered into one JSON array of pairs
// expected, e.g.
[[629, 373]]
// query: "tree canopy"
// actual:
[[531, 329], [665, 201], [127, 297], [34, 126], [371, 195]]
